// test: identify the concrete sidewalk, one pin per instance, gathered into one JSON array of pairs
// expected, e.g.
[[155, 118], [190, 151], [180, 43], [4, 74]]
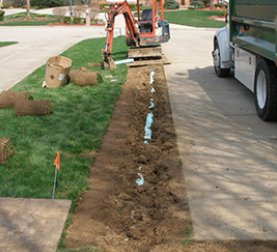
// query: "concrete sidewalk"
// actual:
[[12, 11], [31, 224], [228, 154]]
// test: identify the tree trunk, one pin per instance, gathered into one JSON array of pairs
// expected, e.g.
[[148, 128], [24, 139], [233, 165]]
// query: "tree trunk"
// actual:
[[28, 9]]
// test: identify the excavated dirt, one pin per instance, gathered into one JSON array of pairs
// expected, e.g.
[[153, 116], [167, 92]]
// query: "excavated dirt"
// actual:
[[115, 214]]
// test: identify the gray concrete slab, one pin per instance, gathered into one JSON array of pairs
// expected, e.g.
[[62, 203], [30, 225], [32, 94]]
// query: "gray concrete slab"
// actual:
[[228, 154], [31, 224]]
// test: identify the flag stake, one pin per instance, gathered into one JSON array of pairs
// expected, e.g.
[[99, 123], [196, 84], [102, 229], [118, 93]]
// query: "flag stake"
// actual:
[[57, 167], [54, 186]]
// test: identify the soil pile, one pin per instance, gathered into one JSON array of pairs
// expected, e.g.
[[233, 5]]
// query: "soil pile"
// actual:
[[116, 214]]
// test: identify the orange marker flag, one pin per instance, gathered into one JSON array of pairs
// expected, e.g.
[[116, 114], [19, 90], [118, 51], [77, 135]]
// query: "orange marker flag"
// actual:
[[57, 161]]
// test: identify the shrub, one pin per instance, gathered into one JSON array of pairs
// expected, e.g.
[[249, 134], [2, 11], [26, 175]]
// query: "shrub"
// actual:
[[78, 20], [2, 13], [6, 5], [97, 21], [67, 20], [207, 3], [18, 3], [47, 3], [220, 5], [171, 4], [196, 4]]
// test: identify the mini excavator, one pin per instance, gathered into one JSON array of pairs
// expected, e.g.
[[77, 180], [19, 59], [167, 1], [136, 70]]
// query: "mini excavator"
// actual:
[[146, 32]]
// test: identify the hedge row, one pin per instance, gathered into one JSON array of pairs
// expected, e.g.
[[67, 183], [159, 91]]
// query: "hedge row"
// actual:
[[2, 13], [40, 3]]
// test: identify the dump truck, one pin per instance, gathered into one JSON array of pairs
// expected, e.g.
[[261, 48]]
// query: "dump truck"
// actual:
[[247, 48]]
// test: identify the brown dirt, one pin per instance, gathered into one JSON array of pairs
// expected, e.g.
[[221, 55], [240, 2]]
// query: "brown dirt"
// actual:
[[115, 214], [8, 99], [38, 107], [6, 150], [217, 18]]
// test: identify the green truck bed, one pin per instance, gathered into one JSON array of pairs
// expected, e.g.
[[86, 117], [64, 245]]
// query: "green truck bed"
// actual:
[[253, 26]]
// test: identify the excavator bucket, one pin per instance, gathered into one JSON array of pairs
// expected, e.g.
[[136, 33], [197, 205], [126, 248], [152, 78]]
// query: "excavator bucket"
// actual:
[[108, 62]]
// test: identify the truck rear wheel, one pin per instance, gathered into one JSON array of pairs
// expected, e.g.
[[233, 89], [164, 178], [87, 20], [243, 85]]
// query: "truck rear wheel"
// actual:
[[265, 87], [219, 71]]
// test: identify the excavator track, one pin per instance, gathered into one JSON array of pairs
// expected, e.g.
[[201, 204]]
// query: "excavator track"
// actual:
[[147, 56], [145, 52]]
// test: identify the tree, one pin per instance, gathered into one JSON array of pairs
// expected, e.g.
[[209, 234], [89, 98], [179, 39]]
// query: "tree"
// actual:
[[28, 9]]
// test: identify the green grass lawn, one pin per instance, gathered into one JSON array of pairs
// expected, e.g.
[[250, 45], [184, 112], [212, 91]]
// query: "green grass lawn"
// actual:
[[194, 18], [7, 43], [20, 19], [79, 120]]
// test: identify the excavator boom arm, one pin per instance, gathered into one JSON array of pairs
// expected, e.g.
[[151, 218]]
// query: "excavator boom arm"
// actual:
[[131, 29]]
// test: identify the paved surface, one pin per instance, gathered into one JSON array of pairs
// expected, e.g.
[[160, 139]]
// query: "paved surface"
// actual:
[[31, 224], [228, 154]]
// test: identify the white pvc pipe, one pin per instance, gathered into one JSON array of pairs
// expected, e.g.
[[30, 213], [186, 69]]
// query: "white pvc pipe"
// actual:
[[125, 61], [151, 104], [147, 128], [140, 180], [152, 75]]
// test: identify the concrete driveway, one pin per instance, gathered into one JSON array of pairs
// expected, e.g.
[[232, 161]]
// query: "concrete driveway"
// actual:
[[228, 154]]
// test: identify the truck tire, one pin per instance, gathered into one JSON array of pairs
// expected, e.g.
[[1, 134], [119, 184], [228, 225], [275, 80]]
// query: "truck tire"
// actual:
[[265, 88], [219, 71]]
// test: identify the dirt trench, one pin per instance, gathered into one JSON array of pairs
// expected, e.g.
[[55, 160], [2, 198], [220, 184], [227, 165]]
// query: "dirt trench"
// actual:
[[115, 214]]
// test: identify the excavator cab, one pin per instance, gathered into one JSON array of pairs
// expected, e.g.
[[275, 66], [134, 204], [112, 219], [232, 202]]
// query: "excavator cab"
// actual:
[[153, 30], [145, 25]]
